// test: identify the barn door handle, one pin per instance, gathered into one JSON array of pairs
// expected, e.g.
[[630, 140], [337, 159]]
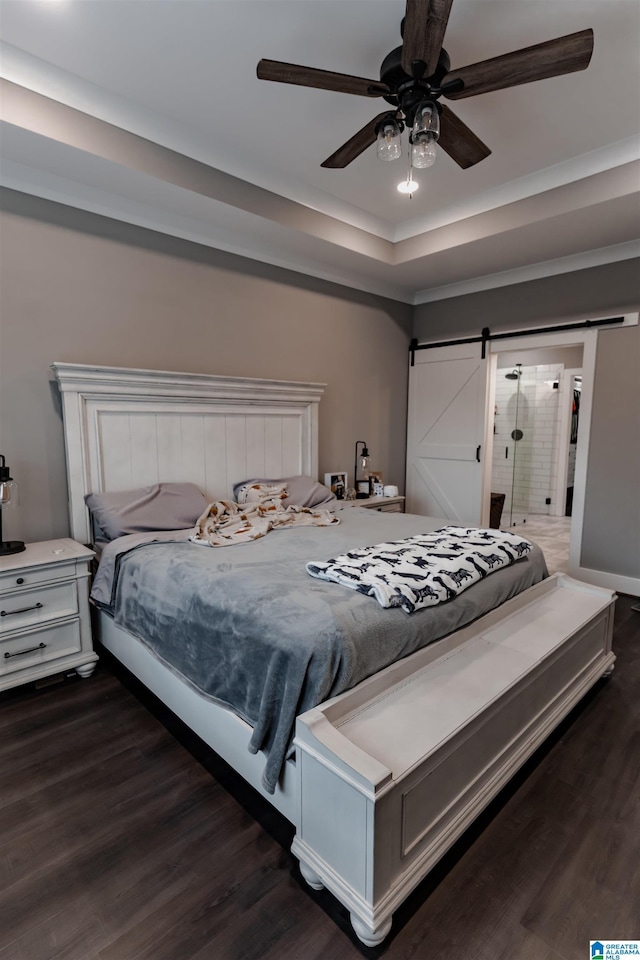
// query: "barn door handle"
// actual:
[[478, 449]]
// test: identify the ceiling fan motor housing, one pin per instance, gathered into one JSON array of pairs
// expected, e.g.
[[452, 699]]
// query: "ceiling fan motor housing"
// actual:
[[408, 92]]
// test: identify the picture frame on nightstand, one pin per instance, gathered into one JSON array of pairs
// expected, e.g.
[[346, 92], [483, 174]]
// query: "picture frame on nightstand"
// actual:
[[337, 483]]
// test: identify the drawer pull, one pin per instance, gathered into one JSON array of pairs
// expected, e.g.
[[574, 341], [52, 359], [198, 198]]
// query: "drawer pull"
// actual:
[[9, 613], [20, 580], [19, 653]]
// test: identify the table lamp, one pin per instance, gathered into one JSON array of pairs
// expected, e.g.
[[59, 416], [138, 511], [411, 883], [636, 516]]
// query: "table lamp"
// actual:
[[8, 497], [363, 462]]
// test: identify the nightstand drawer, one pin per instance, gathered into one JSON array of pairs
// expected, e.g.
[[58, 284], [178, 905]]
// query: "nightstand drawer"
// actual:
[[381, 504], [38, 646], [19, 580], [39, 605]]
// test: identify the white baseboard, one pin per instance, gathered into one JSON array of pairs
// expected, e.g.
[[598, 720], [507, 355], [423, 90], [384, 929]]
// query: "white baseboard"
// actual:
[[612, 581]]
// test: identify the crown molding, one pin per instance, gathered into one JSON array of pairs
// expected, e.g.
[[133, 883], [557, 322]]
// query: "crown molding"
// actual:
[[534, 271]]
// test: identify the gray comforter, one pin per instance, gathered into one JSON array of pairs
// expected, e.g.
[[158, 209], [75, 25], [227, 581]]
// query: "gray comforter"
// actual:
[[249, 627]]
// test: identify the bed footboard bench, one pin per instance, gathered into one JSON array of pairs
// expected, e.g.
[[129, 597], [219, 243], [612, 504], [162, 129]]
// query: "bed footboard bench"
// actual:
[[393, 771]]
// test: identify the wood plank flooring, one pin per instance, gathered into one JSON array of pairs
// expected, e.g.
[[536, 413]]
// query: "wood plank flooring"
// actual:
[[122, 837]]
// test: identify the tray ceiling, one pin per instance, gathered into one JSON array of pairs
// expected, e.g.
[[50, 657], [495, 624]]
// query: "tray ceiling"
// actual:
[[151, 112]]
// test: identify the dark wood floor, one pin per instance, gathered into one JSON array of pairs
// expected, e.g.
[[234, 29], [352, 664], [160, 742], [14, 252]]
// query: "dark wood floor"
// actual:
[[123, 838]]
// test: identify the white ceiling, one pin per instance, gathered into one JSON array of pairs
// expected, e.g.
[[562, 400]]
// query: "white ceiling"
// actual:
[[556, 193]]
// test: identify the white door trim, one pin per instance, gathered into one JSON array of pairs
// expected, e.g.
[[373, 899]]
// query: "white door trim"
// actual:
[[487, 463], [564, 437]]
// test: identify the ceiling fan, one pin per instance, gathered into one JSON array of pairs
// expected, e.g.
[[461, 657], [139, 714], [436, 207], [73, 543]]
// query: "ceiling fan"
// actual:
[[415, 75]]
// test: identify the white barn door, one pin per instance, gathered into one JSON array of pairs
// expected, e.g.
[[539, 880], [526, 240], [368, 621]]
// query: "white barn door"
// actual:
[[446, 432]]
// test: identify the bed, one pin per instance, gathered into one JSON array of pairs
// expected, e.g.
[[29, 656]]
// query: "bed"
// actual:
[[397, 758]]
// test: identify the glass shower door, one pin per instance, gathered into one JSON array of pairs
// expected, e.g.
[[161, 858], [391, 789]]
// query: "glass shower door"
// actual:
[[521, 411]]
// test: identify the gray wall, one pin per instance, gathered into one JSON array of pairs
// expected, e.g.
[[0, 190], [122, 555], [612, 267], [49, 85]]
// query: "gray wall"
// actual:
[[611, 532], [87, 289], [611, 537]]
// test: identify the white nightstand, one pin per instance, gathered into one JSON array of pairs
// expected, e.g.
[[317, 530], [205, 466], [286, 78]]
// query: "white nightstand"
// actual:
[[383, 504], [44, 612]]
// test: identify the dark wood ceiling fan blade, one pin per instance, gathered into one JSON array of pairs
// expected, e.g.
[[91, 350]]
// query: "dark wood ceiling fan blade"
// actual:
[[321, 79], [356, 145], [459, 141], [424, 28], [549, 59]]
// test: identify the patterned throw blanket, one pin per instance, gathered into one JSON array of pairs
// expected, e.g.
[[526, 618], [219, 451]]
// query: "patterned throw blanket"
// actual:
[[226, 522], [425, 569]]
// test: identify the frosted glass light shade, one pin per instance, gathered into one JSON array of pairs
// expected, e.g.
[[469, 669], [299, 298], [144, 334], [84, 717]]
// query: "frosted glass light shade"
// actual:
[[423, 154], [426, 122], [9, 495], [8, 498], [389, 146]]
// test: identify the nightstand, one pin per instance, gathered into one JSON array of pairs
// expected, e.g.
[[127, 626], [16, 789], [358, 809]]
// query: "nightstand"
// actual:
[[383, 504], [45, 626]]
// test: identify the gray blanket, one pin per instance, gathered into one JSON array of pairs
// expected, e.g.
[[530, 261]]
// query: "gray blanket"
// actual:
[[249, 627]]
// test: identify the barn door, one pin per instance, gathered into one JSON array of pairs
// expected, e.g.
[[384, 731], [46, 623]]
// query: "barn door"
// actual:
[[445, 433]]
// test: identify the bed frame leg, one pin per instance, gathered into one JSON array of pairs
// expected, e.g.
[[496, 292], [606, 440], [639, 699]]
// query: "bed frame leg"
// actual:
[[311, 877], [85, 670], [368, 935], [370, 938], [609, 671]]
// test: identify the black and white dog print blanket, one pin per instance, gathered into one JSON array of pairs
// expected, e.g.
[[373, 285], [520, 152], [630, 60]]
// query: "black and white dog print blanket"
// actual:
[[425, 569]]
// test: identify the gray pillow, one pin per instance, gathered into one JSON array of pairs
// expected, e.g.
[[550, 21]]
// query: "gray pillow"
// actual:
[[162, 506], [302, 491]]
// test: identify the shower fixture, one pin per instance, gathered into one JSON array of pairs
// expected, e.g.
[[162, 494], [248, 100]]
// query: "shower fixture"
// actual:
[[515, 373]]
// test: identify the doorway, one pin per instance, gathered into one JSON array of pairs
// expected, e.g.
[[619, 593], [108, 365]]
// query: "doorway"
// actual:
[[542, 456], [535, 432]]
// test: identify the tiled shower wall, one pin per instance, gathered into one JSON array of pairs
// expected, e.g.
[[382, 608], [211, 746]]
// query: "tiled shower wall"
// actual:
[[537, 451]]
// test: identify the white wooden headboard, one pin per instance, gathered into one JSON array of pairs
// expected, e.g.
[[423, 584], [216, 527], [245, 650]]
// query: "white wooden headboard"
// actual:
[[127, 428]]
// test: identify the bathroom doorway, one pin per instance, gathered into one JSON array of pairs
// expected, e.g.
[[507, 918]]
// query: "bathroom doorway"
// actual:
[[535, 432]]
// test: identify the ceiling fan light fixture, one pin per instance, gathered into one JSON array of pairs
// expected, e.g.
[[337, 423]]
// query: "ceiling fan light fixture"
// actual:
[[423, 154], [388, 144], [426, 122]]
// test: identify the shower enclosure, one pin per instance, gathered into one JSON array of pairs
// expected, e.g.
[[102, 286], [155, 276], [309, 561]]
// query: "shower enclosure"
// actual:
[[522, 409], [535, 439], [514, 471]]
